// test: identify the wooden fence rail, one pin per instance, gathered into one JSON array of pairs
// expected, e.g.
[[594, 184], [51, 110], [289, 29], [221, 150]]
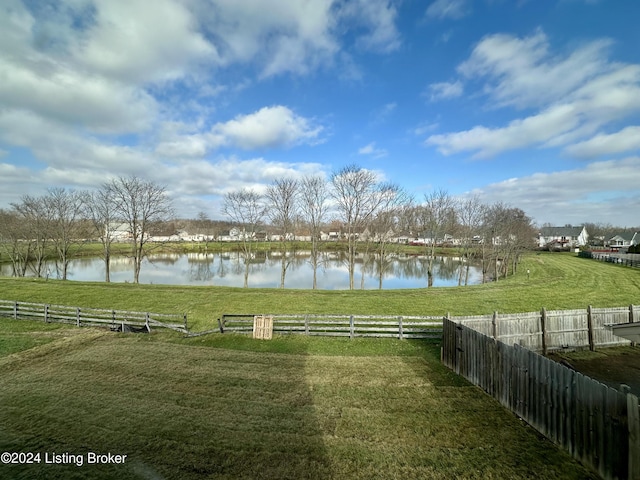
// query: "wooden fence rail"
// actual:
[[598, 425], [548, 330], [82, 316], [340, 325]]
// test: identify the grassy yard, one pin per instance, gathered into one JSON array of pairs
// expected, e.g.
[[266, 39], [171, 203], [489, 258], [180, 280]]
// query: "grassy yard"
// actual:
[[231, 407], [556, 281]]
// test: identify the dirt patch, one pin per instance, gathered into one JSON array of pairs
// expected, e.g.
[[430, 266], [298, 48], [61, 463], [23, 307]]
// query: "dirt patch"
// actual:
[[611, 366]]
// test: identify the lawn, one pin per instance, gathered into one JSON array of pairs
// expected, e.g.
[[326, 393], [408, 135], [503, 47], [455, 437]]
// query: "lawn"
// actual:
[[231, 407], [555, 281]]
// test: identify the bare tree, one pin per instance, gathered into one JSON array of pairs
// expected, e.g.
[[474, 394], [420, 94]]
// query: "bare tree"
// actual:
[[65, 207], [358, 196], [12, 241], [470, 212], [435, 217], [36, 216], [510, 232], [314, 196], [139, 204], [386, 225], [283, 212], [100, 207], [246, 209]]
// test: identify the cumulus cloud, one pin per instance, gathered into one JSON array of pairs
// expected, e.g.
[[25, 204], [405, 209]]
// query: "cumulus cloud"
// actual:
[[269, 127], [454, 9], [575, 94]]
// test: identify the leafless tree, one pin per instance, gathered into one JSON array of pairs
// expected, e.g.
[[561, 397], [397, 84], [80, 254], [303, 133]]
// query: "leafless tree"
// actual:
[[314, 196], [358, 197], [100, 208], [282, 208], [13, 243], [246, 209], [470, 212], [510, 232], [386, 225], [139, 204], [65, 207], [435, 217], [36, 217]]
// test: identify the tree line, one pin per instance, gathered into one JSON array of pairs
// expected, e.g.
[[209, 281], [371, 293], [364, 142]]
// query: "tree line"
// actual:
[[62, 219], [372, 215]]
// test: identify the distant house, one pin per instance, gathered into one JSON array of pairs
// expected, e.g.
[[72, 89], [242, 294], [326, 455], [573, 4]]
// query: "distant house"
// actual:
[[563, 237], [624, 240], [118, 232]]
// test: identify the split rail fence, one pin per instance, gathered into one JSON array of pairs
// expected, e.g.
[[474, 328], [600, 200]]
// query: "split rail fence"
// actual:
[[115, 319], [340, 325], [542, 331], [598, 425]]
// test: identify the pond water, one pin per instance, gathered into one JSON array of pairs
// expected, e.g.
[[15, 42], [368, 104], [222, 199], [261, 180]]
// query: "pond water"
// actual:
[[227, 269]]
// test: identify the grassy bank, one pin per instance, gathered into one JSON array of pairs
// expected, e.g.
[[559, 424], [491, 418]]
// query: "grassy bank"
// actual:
[[328, 408], [555, 281]]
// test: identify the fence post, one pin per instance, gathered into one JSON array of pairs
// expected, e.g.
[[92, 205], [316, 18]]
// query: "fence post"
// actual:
[[631, 319], [351, 326], [46, 313], [77, 316], [146, 321], [494, 326], [184, 316], [590, 328], [543, 326], [400, 331], [15, 310], [220, 325], [306, 324]]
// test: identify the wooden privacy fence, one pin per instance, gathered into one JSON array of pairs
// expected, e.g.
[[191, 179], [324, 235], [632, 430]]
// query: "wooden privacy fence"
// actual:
[[548, 330], [340, 325], [116, 319], [598, 425]]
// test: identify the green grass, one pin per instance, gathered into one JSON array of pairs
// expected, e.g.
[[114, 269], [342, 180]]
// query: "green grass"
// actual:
[[556, 281], [232, 407]]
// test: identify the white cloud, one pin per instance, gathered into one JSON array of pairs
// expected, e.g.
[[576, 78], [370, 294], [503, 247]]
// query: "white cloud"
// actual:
[[378, 17], [454, 9], [131, 42], [373, 151], [626, 140], [444, 90], [599, 190], [575, 94], [270, 127], [522, 72]]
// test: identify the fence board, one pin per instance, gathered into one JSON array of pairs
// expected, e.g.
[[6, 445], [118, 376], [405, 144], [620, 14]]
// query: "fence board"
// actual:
[[598, 425]]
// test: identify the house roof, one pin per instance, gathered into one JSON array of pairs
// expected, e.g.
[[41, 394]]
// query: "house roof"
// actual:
[[561, 231], [628, 236]]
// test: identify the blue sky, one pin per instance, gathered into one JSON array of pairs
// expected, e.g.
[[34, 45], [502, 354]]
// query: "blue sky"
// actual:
[[533, 103]]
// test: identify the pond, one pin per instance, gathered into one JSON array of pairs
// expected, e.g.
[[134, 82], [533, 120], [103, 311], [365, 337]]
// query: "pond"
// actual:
[[227, 269]]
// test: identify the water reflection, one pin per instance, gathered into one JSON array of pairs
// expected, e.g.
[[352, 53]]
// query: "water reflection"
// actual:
[[227, 269]]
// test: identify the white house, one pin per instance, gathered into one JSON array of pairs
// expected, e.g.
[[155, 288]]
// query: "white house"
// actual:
[[563, 237], [624, 240]]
